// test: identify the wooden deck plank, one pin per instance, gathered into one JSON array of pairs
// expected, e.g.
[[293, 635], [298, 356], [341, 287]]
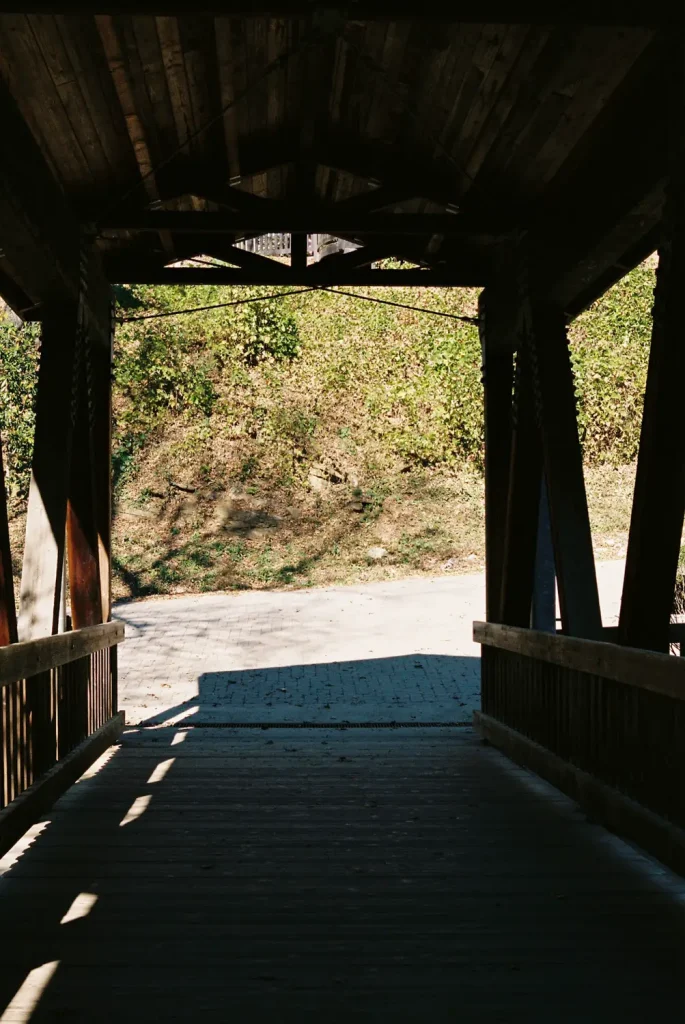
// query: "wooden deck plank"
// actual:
[[386, 875]]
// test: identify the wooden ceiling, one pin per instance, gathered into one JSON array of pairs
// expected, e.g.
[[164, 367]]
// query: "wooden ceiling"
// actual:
[[323, 122]]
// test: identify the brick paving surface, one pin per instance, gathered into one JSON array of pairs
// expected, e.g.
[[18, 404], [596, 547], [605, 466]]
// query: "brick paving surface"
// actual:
[[380, 652]]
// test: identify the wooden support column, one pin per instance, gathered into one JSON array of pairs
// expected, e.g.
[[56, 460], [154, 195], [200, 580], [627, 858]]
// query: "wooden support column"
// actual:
[[556, 410], [544, 611], [46, 518], [102, 452], [656, 523], [82, 527], [498, 378], [298, 251], [521, 527], [8, 615]]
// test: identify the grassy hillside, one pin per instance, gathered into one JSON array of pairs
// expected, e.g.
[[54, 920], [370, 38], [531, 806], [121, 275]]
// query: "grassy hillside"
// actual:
[[318, 439]]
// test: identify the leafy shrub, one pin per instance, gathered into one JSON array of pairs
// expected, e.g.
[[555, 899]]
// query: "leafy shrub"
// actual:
[[610, 353], [19, 349], [266, 332], [282, 376]]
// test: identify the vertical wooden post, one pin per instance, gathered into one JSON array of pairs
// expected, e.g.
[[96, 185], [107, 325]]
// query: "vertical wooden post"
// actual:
[[102, 450], [544, 610], [521, 527], [8, 614], [498, 379], [298, 251], [556, 410], [659, 498], [47, 504], [82, 527]]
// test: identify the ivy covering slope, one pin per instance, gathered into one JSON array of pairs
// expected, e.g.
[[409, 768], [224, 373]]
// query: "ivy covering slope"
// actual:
[[274, 443]]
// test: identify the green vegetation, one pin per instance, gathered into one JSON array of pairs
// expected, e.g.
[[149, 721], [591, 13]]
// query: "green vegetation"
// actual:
[[271, 444], [18, 377]]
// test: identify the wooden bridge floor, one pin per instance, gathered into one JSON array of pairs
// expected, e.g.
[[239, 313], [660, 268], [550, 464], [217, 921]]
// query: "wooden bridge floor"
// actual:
[[278, 875]]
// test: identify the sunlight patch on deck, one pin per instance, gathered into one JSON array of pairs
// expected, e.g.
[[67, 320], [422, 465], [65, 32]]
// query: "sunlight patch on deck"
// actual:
[[161, 770], [136, 810], [28, 995], [81, 907]]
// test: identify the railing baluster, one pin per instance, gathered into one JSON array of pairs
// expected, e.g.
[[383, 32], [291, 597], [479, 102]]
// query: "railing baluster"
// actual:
[[54, 693], [622, 725]]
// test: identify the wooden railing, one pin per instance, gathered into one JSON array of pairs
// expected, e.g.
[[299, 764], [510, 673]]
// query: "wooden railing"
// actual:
[[612, 712], [54, 693]]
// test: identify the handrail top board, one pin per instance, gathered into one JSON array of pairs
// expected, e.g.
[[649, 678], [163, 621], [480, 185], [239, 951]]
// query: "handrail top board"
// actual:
[[30, 657], [648, 670]]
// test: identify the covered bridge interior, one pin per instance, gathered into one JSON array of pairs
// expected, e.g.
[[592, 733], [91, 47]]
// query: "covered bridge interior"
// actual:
[[483, 146]]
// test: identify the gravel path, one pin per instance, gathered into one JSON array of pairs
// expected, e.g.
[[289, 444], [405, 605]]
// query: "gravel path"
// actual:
[[380, 652]]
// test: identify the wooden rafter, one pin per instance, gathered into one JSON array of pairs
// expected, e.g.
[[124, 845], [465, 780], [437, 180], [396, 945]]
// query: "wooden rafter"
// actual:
[[125, 270], [312, 221], [118, 69], [600, 12]]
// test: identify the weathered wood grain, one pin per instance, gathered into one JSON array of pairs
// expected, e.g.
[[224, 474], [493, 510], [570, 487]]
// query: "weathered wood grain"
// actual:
[[30, 657], [660, 673], [336, 875]]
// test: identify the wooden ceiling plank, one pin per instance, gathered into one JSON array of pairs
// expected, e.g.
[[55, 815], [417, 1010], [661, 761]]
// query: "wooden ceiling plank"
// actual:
[[84, 50], [119, 69], [620, 165], [497, 76], [136, 132], [468, 41], [596, 89], [68, 87], [490, 181], [549, 124], [29, 80], [199, 50], [223, 31], [40, 239], [240, 73], [154, 79], [277, 43], [177, 80], [518, 79], [338, 80], [390, 91]]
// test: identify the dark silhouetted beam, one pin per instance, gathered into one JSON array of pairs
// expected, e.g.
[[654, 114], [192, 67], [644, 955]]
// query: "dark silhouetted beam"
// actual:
[[126, 271], [599, 12], [314, 221]]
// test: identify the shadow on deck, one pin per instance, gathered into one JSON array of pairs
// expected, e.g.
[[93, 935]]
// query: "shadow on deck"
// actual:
[[327, 874]]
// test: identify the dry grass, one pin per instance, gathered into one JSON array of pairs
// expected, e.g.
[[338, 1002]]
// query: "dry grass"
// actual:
[[227, 533], [256, 534]]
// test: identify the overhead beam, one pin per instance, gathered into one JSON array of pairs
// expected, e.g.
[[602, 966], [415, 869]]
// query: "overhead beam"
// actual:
[[378, 198], [354, 259], [601, 12], [126, 271], [312, 221], [219, 249]]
